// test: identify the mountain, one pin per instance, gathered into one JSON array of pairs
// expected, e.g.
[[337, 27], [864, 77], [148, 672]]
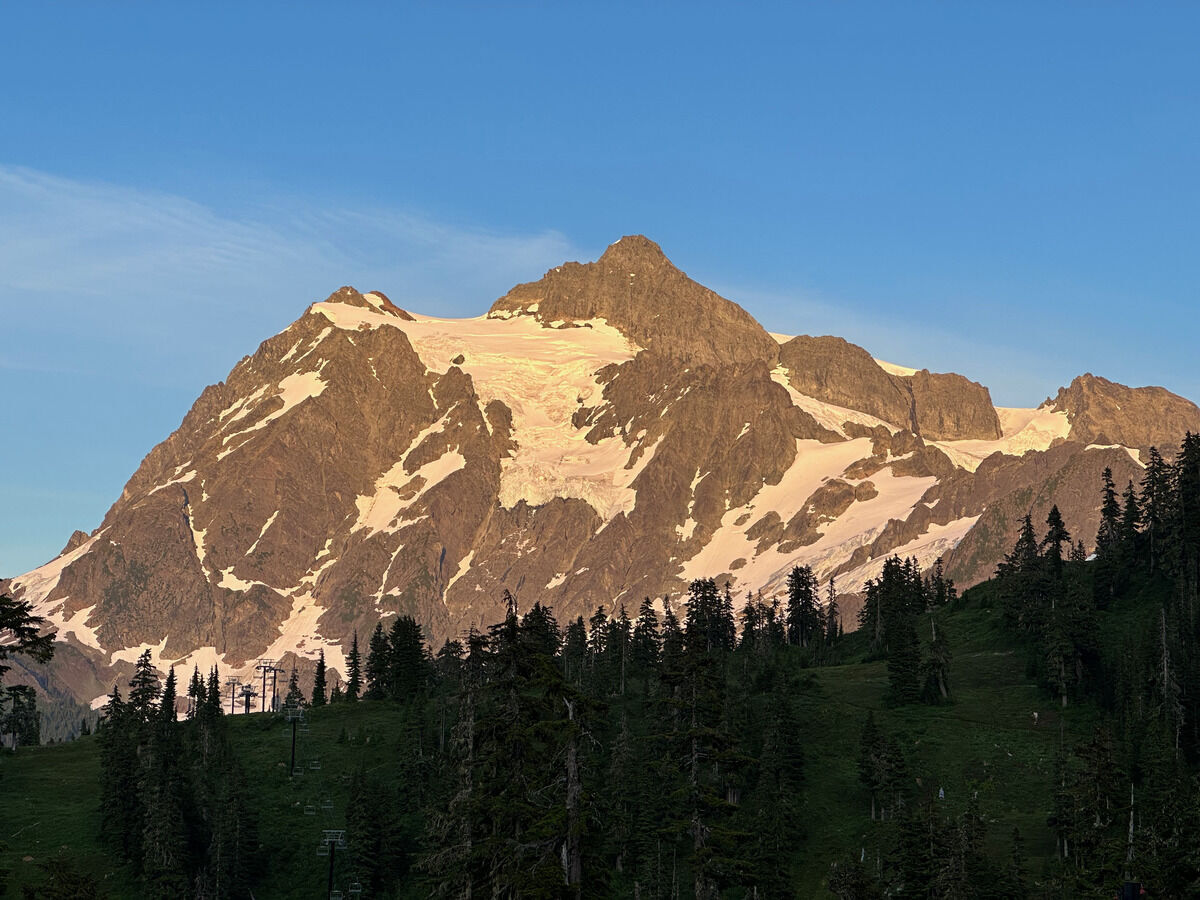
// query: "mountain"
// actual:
[[604, 434]]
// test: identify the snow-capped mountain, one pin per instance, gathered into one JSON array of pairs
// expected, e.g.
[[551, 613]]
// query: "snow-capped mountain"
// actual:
[[601, 435]]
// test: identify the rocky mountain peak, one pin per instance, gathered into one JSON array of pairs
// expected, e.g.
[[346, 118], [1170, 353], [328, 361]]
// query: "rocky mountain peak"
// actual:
[[376, 301], [1105, 412], [636, 252], [937, 406], [640, 292]]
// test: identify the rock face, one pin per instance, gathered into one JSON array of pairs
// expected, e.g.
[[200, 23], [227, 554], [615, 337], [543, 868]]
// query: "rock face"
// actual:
[[636, 289], [602, 435], [1103, 412], [949, 407], [838, 372], [940, 407]]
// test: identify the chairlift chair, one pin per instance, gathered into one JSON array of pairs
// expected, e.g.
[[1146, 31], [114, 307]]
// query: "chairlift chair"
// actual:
[[309, 809], [322, 849]]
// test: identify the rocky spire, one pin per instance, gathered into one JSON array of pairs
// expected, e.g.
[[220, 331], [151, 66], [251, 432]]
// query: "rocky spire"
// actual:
[[639, 291]]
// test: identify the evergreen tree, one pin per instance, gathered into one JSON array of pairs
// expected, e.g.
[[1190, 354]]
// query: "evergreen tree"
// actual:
[[21, 632], [937, 666], [1109, 534], [803, 617], [196, 693], [318, 689], [646, 643], [870, 766], [1156, 502], [353, 670], [1131, 520], [22, 722], [833, 616], [120, 807], [904, 663], [1016, 575], [212, 697], [167, 704], [407, 659], [294, 696], [575, 651], [378, 665], [144, 689], [1052, 543]]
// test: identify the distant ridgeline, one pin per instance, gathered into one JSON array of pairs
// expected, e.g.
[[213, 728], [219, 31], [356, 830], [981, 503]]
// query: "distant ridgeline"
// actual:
[[610, 431], [1037, 735]]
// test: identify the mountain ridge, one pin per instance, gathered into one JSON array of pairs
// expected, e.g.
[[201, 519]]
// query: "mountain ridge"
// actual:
[[370, 461]]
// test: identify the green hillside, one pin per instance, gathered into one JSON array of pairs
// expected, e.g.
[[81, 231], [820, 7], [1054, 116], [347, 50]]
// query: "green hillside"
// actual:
[[1038, 736], [984, 741]]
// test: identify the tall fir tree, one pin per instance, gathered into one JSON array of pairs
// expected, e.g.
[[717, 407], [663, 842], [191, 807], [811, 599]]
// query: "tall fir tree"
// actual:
[[378, 665], [353, 670], [319, 686]]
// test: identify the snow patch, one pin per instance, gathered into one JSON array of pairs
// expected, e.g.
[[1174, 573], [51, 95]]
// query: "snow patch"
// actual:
[[35, 586], [1133, 454], [543, 375], [829, 415], [893, 369], [293, 390], [181, 480], [815, 463], [262, 531], [858, 526], [231, 582], [77, 625], [378, 511], [298, 634], [1023, 431], [463, 567]]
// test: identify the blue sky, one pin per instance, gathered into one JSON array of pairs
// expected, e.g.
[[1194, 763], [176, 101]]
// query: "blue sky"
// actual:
[[1004, 190]]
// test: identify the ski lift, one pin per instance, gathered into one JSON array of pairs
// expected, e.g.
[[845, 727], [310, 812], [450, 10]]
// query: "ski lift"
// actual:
[[299, 770], [322, 849], [309, 809], [315, 764], [336, 895], [326, 805], [355, 889]]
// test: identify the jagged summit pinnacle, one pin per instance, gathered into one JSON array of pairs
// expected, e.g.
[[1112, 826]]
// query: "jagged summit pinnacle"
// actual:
[[638, 290], [374, 300], [364, 463], [635, 250]]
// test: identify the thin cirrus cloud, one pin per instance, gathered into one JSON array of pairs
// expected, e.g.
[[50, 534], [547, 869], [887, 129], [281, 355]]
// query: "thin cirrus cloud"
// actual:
[[119, 305], [123, 263]]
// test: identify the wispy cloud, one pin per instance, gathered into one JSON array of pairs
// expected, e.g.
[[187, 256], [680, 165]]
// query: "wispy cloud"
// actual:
[[118, 304], [116, 245], [107, 277]]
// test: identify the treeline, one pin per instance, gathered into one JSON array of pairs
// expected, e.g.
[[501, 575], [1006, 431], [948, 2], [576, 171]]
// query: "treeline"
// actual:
[[173, 794], [890, 616], [1121, 628], [656, 757]]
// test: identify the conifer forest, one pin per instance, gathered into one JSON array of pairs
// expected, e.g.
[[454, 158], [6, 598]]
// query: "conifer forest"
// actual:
[[1037, 735]]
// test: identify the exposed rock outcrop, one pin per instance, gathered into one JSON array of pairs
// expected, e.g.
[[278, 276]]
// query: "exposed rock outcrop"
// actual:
[[1104, 412], [939, 407], [637, 290], [606, 434]]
